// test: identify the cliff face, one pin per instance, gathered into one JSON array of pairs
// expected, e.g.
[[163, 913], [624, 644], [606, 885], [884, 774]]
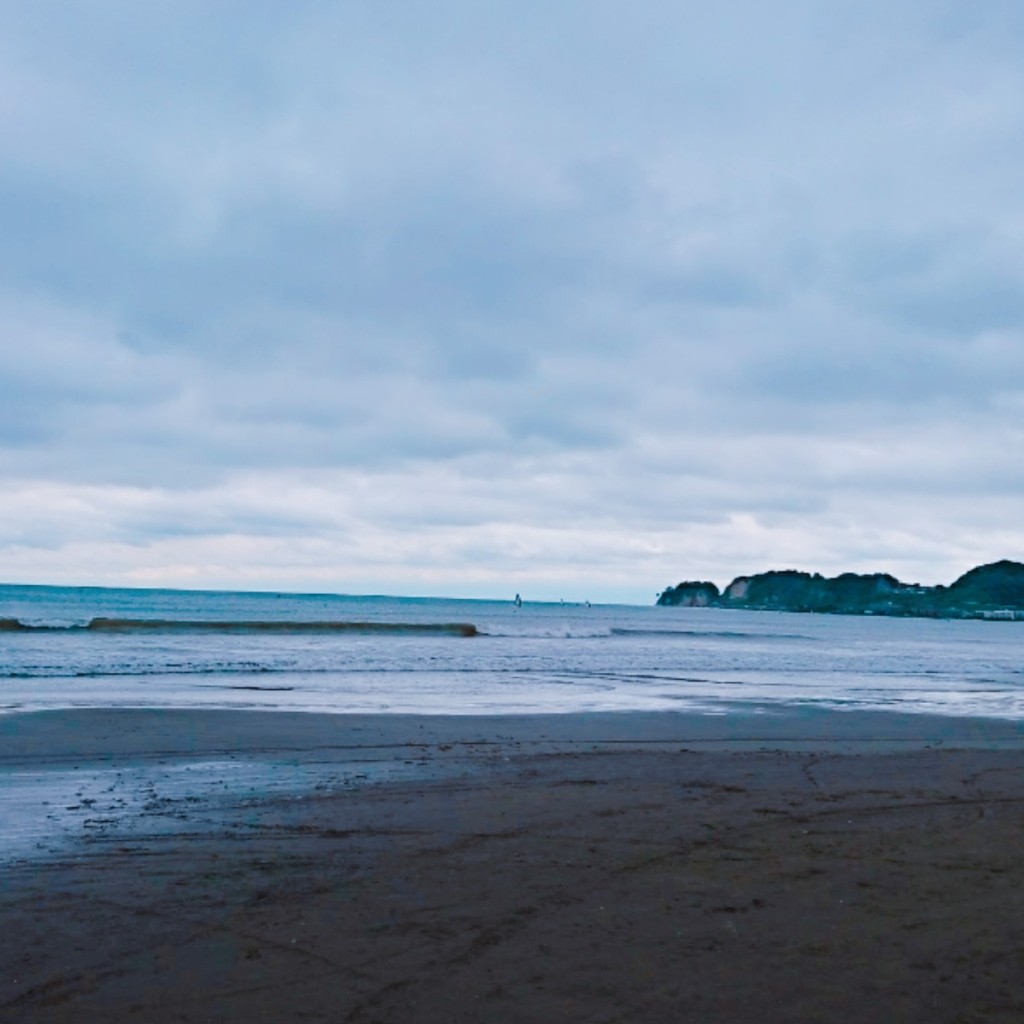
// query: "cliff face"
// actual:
[[988, 591]]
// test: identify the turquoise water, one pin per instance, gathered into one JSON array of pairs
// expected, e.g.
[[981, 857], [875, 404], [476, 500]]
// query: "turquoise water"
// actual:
[[384, 654]]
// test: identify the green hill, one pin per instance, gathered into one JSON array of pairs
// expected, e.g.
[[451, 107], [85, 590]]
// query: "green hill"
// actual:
[[988, 591]]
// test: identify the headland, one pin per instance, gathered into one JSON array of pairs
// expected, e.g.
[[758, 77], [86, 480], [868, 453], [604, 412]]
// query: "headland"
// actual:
[[994, 591]]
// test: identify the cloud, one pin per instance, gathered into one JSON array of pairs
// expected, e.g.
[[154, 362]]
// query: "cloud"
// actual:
[[543, 294]]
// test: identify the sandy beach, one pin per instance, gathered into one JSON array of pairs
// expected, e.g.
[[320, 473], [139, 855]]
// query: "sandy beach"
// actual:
[[233, 866]]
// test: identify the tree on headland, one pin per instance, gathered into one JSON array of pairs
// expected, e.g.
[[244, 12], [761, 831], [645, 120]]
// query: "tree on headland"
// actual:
[[690, 594]]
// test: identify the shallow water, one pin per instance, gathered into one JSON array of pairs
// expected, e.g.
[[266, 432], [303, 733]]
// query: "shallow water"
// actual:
[[540, 657], [56, 809]]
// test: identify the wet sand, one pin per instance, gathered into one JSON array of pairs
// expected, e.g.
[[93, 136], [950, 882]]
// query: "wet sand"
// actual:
[[231, 866]]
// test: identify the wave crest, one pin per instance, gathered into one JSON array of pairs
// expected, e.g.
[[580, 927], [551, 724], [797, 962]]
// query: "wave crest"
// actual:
[[108, 625]]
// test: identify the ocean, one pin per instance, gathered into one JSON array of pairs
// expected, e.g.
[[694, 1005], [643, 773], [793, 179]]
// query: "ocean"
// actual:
[[71, 647]]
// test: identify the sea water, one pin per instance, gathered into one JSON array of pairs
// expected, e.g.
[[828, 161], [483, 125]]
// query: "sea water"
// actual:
[[64, 647]]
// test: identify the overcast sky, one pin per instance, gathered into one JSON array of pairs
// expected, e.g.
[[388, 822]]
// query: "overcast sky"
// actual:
[[576, 299]]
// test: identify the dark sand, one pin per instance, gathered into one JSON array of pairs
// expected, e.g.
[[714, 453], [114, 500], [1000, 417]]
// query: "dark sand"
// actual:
[[808, 867]]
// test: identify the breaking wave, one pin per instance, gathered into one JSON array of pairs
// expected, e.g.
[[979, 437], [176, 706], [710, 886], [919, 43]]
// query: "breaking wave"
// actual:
[[106, 625]]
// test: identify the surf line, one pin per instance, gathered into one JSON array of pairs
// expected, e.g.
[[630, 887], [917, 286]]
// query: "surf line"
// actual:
[[107, 625]]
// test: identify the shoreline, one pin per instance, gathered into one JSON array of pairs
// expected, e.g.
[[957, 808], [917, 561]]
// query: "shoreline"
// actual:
[[101, 732], [609, 867], [79, 779]]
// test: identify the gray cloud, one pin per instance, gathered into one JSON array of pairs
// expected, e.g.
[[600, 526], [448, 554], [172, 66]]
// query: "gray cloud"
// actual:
[[669, 284]]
